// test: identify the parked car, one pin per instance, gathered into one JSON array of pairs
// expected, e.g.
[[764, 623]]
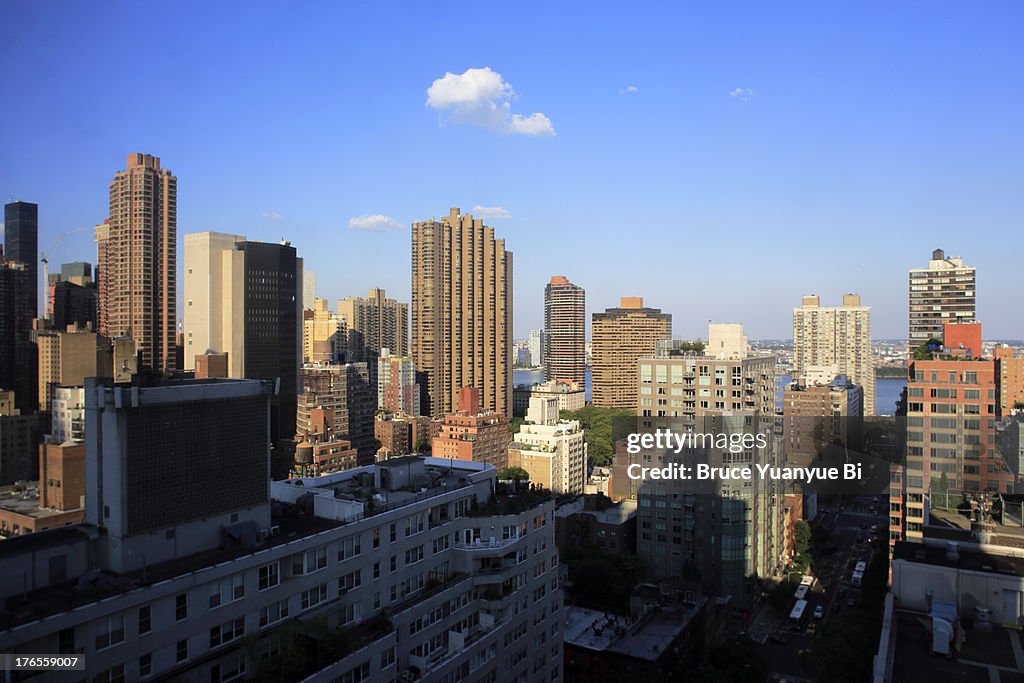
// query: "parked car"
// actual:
[[819, 611], [851, 601], [842, 591]]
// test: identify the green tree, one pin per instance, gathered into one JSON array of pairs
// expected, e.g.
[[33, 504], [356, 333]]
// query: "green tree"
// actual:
[[514, 473]]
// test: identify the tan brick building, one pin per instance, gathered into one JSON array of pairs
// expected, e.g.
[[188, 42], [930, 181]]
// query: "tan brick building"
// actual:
[[461, 312], [620, 336]]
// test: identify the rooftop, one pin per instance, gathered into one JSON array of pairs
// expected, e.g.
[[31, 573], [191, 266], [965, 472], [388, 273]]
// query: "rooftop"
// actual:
[[972, 560], [646, 637], [24, 500], [985, 657]]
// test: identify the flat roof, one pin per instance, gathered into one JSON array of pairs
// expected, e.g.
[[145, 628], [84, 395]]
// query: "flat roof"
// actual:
[[985, 656], [971, 560], [647, 637]]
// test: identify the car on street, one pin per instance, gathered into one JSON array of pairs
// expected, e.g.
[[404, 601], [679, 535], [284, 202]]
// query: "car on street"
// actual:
[[819, 611], [851, 601], [842, 590], [811, 629]]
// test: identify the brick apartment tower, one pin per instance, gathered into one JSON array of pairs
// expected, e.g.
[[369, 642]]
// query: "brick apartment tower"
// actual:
[[565, 331], [461, 312], [472, 433], [137, 254], [621, 336]]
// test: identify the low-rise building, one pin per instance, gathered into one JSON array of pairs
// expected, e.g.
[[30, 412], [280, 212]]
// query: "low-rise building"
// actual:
[[471, 433], [594, 521]]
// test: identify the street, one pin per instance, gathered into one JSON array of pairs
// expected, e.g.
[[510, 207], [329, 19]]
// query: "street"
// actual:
[[850, 522]]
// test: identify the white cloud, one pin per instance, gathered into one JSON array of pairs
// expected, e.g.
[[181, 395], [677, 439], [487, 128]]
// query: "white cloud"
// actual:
[[481, 97], [273, 216], [629, 89], [374, 223], [742, 94], [491, 212]]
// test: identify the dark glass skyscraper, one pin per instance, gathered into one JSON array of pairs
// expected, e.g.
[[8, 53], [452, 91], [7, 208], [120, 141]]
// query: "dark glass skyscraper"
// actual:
[[21, 243], [272, 335]]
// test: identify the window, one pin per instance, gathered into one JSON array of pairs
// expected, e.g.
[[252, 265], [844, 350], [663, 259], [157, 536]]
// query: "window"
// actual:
[[350, 581], [227, 590], [228, 670], [270, 575], [351, 614], [441, 544], [413, 555], [376, 537], [273, 613], [112, 675], [181, 607], [310, 561], [414, 525], [182, 650], [393, 532], [350, 547], [314, 596], [387, 658], [227, 632], [357, 674], [146, 665], [145, 620], [66, 641], [376, 570], [111, 632]]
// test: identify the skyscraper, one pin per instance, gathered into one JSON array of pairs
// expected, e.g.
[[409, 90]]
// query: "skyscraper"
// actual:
[[461, 312], [335, 419], [621, 336], [397, 390], [138, 260], [941, 293], [18, 369], [375, 322], [244, 298], [837, 338], [101, 233], [21, 243], [565, 331]]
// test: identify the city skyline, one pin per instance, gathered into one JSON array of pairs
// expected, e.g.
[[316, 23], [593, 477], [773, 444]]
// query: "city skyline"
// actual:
[[716, 126]]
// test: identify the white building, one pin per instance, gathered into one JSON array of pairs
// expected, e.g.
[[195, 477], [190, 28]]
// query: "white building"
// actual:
[[535, 344], [551, 450], [68, 421], [410, 569]]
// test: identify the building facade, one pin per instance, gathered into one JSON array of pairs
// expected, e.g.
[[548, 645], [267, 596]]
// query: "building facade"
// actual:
[[336, 404], [397, 389], [18, 361], [454, 582], [944, 292], [374, 322], [473, 433], [138, 285], [838, 337], [1009, 380], [551, 450], [621, 336], [461, 312], [565, 331]]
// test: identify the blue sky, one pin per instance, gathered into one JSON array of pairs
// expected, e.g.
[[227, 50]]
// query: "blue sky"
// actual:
[[764, 150]]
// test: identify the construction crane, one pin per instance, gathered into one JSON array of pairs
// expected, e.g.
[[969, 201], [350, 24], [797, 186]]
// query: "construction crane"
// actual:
[[46, 272]]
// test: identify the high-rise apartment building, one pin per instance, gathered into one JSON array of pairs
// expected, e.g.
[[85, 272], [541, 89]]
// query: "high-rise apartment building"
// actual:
[[472, 433], [837, 337], [21, 244], [405, 570], [565, 331], [101, 234], [818, 415], [138, 260], [397, 389], [551, 450], [729, 531], [336, 405], [621, 336], [244, 298], [944, 292], [18, 371], [461, 312], [535, 345], [374, 322]]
